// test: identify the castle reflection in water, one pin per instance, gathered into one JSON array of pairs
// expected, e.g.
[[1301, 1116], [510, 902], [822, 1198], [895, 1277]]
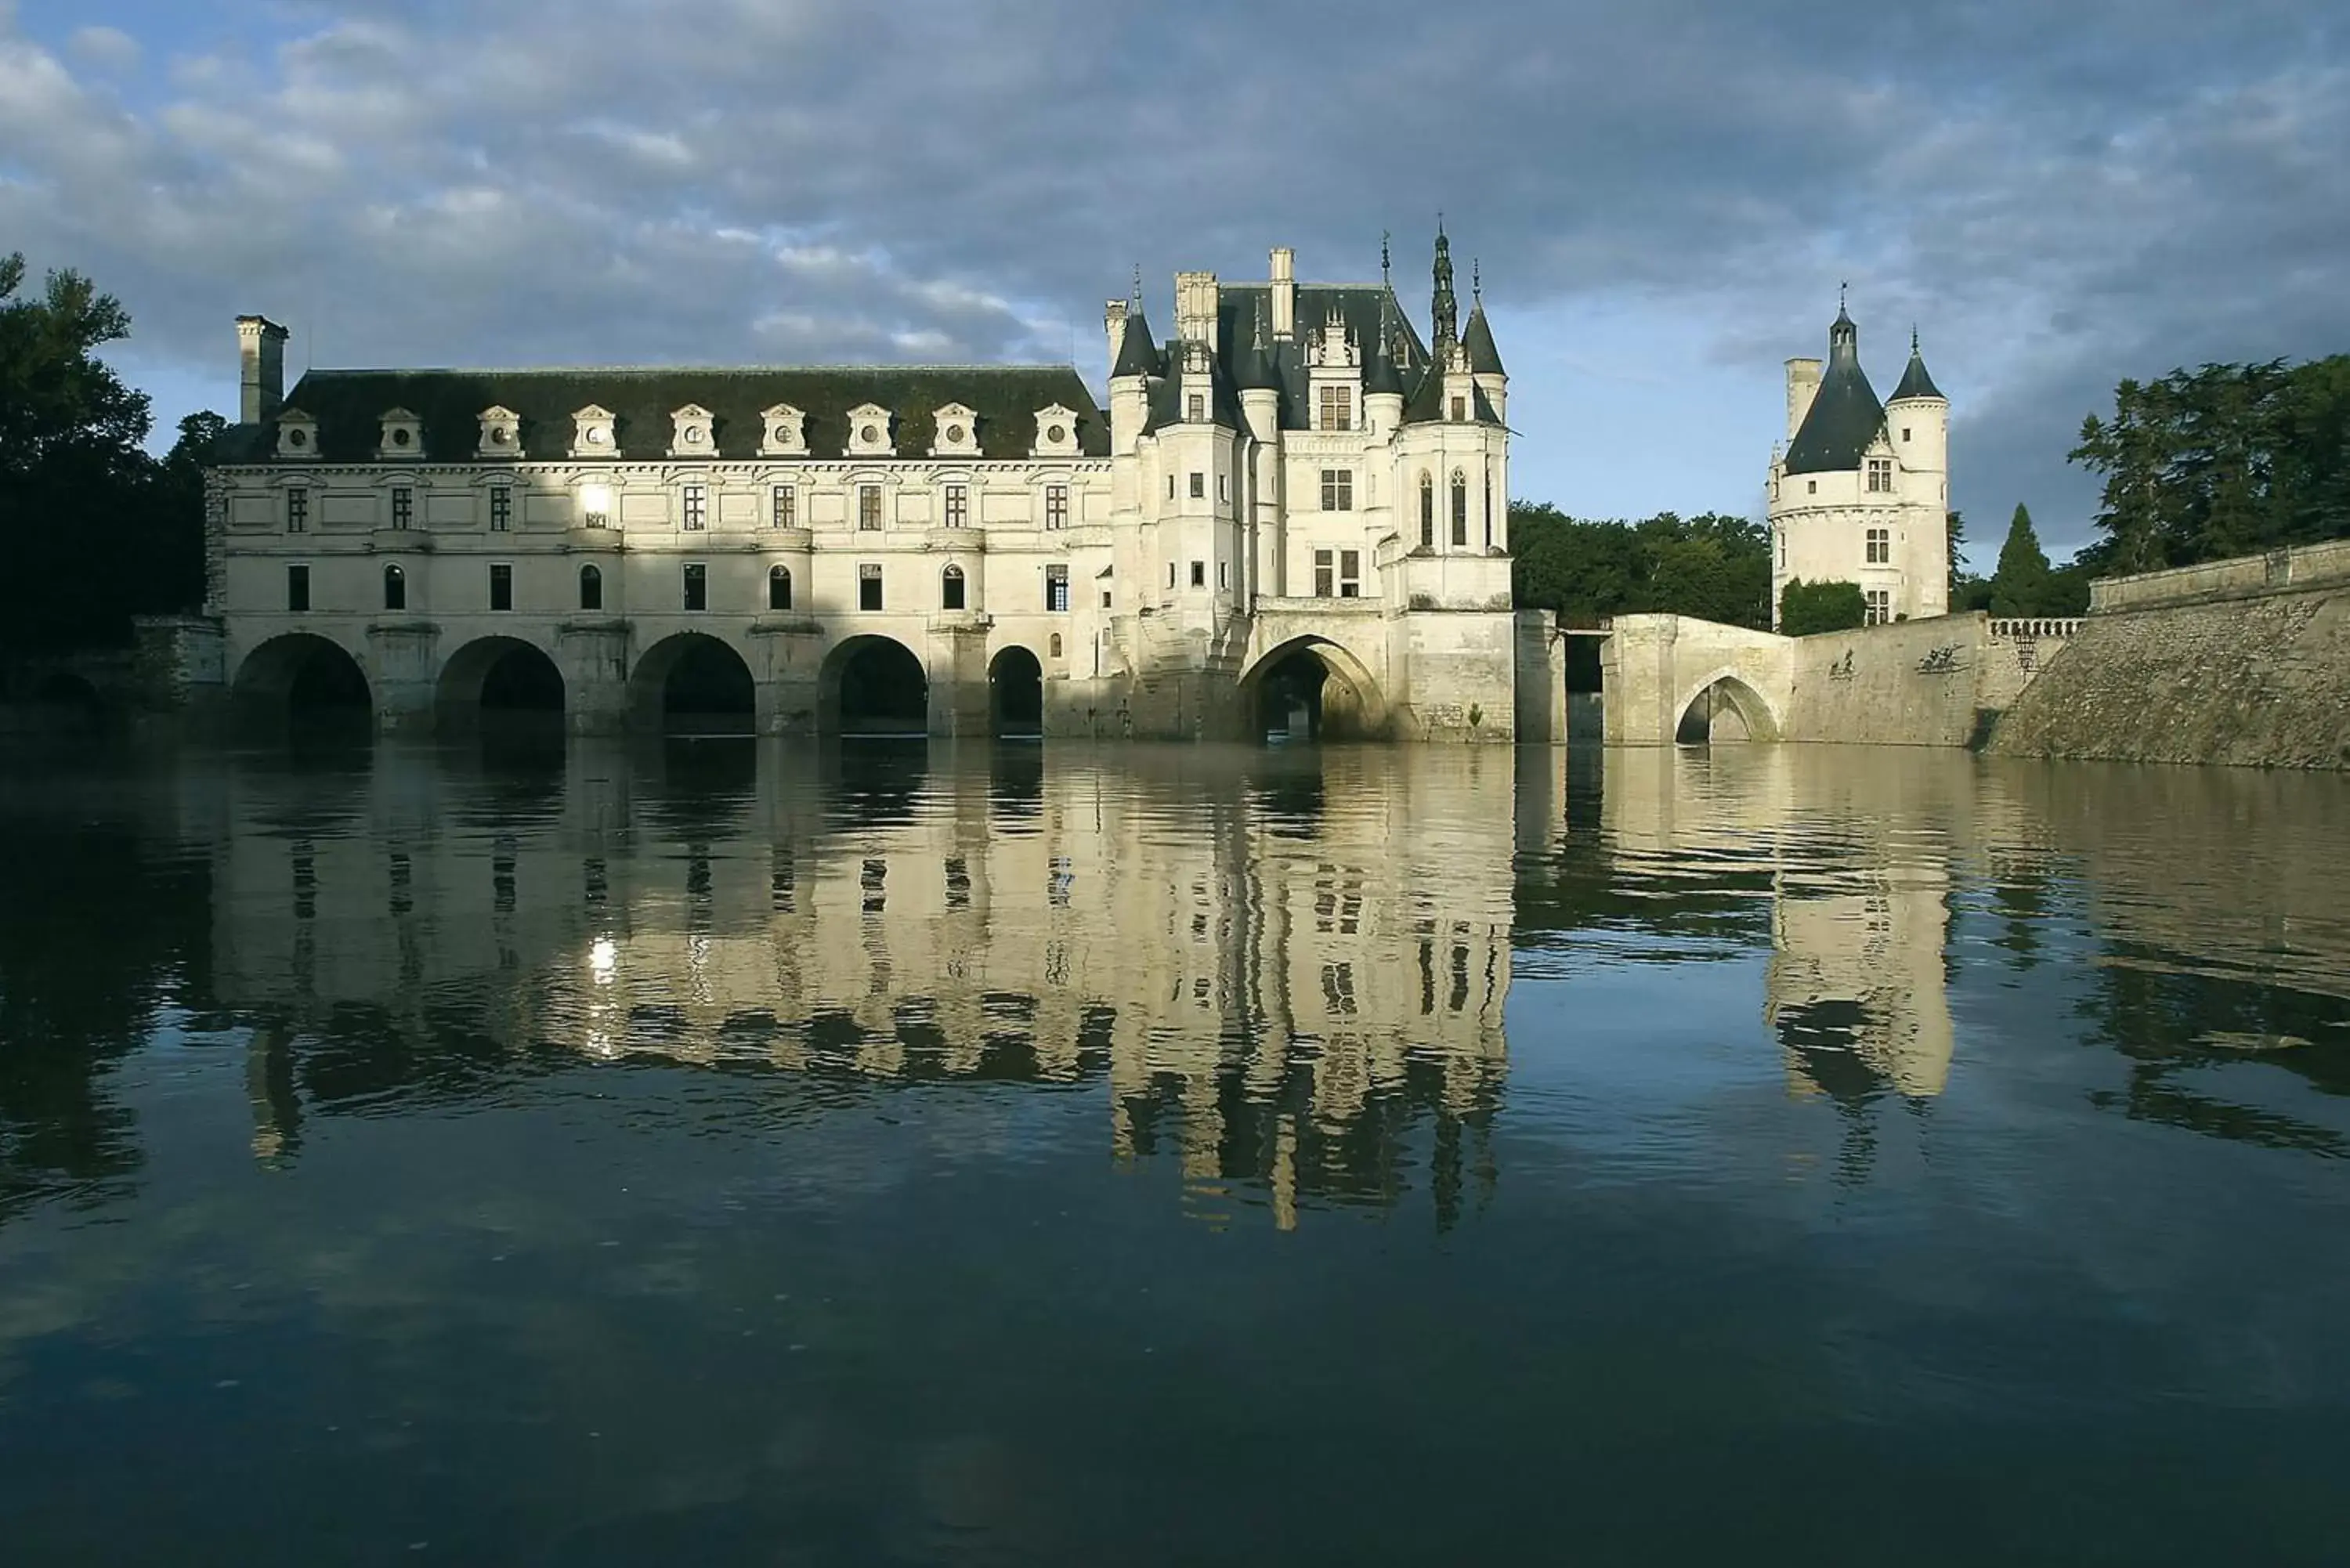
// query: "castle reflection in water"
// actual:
[[1289, 969]]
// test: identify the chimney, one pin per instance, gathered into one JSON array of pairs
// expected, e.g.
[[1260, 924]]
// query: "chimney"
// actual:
[[1803, 384], [261, 369], [1195, 307], [1284, 292], [1114, 323]]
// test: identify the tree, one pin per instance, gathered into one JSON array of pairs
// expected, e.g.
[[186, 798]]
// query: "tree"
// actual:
[[2020, 585], [1709, 565], [1805, 609]]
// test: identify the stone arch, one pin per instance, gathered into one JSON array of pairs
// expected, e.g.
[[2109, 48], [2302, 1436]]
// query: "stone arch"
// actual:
[[1016, 693], [872, 684], [1343, 703], [694, 683], [302, 680], [1724, 707], [497, 679]]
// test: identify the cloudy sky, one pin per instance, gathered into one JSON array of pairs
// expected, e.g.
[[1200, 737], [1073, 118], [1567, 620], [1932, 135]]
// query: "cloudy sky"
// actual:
[[1664, 197]]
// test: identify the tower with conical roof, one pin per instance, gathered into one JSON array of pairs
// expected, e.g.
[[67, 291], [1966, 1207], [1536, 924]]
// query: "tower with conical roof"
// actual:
[[1861, 491]]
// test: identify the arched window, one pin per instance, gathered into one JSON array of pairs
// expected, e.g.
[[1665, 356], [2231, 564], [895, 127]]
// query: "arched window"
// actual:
[[951, 588], [779, 588], [1055, 644], [1427, 513], [591, 589], [395, 589], [1459, 508]]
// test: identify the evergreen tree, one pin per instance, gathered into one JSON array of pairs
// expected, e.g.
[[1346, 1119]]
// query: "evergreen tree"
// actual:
[[2021, 587]]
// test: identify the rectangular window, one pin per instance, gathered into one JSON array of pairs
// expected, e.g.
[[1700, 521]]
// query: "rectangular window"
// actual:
[[595, 507], [1056, 506], [785, 506], [297, 583], [1056, 587], [868, 585], [1905, 432], [697, 506], [1337, 490], [1880, 474], [1459, 510], [1338, 409], [1195, 408], [501, 587], [697, 587], [1105, 599], [1321, 574], [297, 510], [1459, 411], [1199, 574], [1198, 485], [868, 506], [1350, 574], [1880, 547], [501, 509], [1782, 549], [958, 510], [403, 506], [1879, 605]]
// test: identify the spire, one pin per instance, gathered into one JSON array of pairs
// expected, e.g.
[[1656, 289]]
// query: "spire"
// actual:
[[1843, 337], [1476, 287], [1844, 415], [1136, 355], [1445, 309], [1253, 369], [1915, 382], [1380, 373], [1385, 261]]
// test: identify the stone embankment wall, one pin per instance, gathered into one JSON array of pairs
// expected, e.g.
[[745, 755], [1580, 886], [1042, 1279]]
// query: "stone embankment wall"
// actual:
[[2244, 661], [1934, 683]]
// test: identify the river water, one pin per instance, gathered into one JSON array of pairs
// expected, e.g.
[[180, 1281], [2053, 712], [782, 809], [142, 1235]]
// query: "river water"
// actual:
[[1035, 1156]]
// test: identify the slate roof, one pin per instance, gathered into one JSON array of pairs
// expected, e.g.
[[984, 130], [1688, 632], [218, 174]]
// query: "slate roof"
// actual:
[[1425, 405], [349, 406], [1136, 355], [1915, 382], [1477, 342], [1845, 416], [1365, 308]]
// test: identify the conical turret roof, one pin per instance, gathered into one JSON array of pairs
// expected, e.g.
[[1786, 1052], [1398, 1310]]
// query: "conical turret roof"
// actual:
[[1136, 355], [1845, 416], [1477, 343], [1915, 382]]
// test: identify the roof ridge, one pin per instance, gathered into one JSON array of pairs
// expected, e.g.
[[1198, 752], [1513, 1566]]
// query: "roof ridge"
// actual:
[[668, 369]]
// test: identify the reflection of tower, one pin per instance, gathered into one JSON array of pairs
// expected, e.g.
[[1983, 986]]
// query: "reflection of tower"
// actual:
[[1856, 987]]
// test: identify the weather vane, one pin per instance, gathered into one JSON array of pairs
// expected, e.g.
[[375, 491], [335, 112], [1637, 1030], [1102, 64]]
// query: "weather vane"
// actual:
[[1476, 285], [1138, 283], [1385, 264]]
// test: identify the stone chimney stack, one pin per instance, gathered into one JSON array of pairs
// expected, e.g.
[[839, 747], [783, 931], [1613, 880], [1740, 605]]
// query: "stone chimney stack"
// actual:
[[1113, 322], [1285, 293], [261, 369], [1803, 384]]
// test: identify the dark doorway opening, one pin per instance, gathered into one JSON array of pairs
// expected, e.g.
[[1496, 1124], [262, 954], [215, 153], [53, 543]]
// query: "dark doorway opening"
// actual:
[[1015, 695], [883, 691], [1290, 698]]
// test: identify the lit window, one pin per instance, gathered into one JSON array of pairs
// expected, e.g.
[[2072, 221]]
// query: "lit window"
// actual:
[[697, 506], [779, 588], [785, 506], [501, 587], [1195, 408], [1337, 490], [1459, 508], [697, 587], [1427, 513], [868, 585], [1199, 574], [501, 509], [1322, 574], [1880, 474], [868, 506], [1198, 485], [595, 507], [958, 506], [1338, 409], [591, 589], [1057, 589], [1880, 547], [1350, 574], [951, 588], [1056, 506], [297, 510], [298, 588], [395, 589], [403, 506]]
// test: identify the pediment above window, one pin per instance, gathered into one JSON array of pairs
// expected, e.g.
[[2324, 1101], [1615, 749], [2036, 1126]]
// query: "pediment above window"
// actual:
[[957, 428], [1056, 432], [500, 432], [692, 432], [870, 432], [297, 435], [786, 431], [402, 437], [595, 432]]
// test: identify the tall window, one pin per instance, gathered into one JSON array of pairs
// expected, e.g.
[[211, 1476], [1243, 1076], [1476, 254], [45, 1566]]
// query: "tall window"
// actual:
[[868, 506], [501, 508], [1337, 490], [1880, 606], [951, 588], [591, 589], [395, 589], [1487, 494], [1460, 507], [1350, 574], [779, 588], [1195, 408], [501, 587], [696, 583], [1199, 574], [1056, 587], [1782, 549], [297, 586], [297, 510], [784, 506], [1880, 474], [1056, 506], [697, 506], [868, 585], [1459, 411], [1198, 485], [403, 506], [1338, 409], [1880, 547], [958, 506], [1171, 573], [1321, 574], [1427, 513]]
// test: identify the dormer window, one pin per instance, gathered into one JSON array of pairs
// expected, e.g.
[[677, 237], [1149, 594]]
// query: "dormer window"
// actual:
[[1195, 408], [956, 431], [869, 431], [594, 433], [691, 429], [1459, 411], [1880, 475], [402, 435], [297, 435], [786, 434], [1056, 432], [1337, 408], [500, 434]]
